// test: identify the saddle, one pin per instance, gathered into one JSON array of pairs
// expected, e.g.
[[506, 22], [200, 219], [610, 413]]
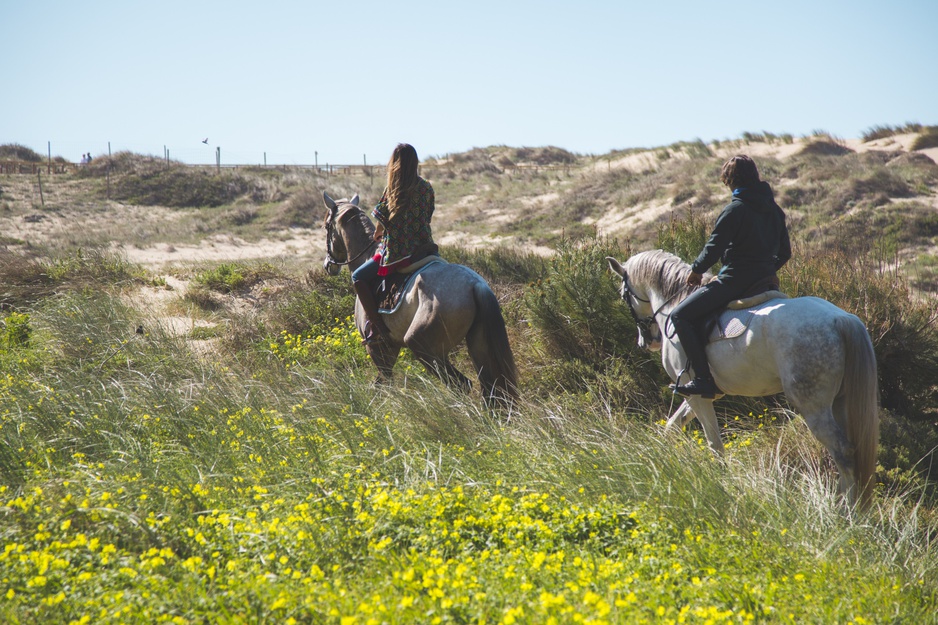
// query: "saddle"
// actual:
[[390, 289], [733, 320]]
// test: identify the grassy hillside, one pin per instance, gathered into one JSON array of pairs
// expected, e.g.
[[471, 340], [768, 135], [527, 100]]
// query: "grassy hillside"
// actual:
[[201, 441]]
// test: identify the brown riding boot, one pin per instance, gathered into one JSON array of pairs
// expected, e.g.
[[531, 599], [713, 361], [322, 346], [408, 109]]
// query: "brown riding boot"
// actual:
[[375, 329]]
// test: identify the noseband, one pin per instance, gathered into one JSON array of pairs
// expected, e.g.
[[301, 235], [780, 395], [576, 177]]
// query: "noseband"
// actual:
[[642, 323], [330, 233]]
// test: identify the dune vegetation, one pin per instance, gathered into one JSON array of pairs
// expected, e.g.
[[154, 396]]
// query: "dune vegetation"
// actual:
[[203, 442]]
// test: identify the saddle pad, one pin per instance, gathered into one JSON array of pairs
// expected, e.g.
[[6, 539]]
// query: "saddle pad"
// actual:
[[426, 260], [394, 286], [733, 322], [730, 324]]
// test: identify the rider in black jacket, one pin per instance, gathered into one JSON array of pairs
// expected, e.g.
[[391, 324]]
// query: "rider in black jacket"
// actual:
[[751, 239]]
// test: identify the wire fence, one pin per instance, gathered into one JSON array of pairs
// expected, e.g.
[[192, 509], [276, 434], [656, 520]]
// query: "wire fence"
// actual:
[[9, 167]]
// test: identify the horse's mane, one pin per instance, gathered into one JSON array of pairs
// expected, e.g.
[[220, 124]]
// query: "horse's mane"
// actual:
[[662, 270], [347, 211]]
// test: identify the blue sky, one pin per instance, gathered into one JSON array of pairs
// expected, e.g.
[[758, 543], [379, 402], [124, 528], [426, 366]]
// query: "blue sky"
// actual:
[[344, 81]]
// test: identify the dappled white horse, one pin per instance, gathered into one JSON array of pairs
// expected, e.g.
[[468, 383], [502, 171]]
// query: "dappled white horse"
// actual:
[[445, 305], [820, 356]]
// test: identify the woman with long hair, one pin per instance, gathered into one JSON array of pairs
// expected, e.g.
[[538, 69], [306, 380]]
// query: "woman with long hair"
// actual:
[[403, 215]]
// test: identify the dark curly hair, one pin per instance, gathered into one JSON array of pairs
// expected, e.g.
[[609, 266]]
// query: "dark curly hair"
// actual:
[[739, 171]]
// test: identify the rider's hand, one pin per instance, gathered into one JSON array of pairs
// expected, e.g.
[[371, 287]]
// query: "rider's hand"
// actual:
[[694, 279], [379, 232]]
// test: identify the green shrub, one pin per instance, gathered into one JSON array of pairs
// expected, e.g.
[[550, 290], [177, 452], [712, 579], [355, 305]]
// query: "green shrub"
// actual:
[[927, 139], [498, 264], [17, 152], [124, 162], [16, 330], [225, 278], [232, 277], [26, 280], [576, 304], [587, 333], [86, 266], [825, 147], [314, 308], [895, 317], [685, 237], [302, 209], [179, 187], [548, 155], [908, 449]]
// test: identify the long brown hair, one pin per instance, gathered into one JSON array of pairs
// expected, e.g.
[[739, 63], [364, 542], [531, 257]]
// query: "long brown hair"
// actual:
[[402, 177]]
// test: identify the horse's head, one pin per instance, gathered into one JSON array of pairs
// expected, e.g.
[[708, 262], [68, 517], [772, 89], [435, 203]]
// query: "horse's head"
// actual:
[[649, 334], [336, 249]]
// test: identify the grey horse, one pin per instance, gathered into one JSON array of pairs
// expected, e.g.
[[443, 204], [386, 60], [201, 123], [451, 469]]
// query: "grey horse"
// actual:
[[820, 356], [444, 305]]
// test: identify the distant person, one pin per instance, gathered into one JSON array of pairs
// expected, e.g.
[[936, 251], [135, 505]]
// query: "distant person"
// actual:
[[403, 216], [751, 239], [89, 158], [84, 159]]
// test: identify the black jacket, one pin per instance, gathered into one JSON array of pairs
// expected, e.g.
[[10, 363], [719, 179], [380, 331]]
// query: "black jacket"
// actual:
[[750, 236]]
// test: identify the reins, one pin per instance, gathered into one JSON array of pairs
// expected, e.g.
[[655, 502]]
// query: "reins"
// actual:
[[644, 324]]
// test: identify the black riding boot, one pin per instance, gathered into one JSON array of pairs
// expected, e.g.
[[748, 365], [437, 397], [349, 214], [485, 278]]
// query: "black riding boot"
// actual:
[[695, 349], [375, 329]]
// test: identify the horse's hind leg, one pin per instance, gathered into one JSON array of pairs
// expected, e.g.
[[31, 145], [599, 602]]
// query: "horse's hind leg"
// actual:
[[443, 369], [825, 428]]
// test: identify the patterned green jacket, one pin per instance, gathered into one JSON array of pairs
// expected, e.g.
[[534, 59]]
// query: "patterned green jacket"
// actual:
[[408, 231]]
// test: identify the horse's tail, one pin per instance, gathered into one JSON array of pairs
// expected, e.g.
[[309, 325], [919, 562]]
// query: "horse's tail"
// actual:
[[860, 390], [489, 349]]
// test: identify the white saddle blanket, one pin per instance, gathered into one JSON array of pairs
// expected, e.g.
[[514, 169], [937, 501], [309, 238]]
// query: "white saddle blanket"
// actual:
[[739, 313]]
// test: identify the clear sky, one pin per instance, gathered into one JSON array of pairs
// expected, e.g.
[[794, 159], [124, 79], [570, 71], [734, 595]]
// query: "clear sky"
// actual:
[[348, 79]]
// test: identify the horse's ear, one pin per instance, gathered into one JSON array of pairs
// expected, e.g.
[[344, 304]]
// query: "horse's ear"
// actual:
[[330, 203], [355, 199], [614, 265]]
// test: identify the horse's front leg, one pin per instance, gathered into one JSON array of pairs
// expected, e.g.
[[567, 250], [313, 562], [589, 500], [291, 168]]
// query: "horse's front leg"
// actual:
[[707, 416], [384, 355], [681, 416]]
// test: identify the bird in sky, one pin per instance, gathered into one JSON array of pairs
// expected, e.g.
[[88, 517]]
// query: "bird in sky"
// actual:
[[205, 140]]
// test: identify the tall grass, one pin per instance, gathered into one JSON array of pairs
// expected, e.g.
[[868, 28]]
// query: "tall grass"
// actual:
[[141, 483]]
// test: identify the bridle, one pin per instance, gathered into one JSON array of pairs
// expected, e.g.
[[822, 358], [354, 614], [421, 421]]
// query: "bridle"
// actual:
[[644, 324], [330, 235]]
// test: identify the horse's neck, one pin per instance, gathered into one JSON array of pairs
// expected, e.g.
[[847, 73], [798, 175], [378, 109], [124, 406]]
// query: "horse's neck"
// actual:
[[660, 303], [358, 244]]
